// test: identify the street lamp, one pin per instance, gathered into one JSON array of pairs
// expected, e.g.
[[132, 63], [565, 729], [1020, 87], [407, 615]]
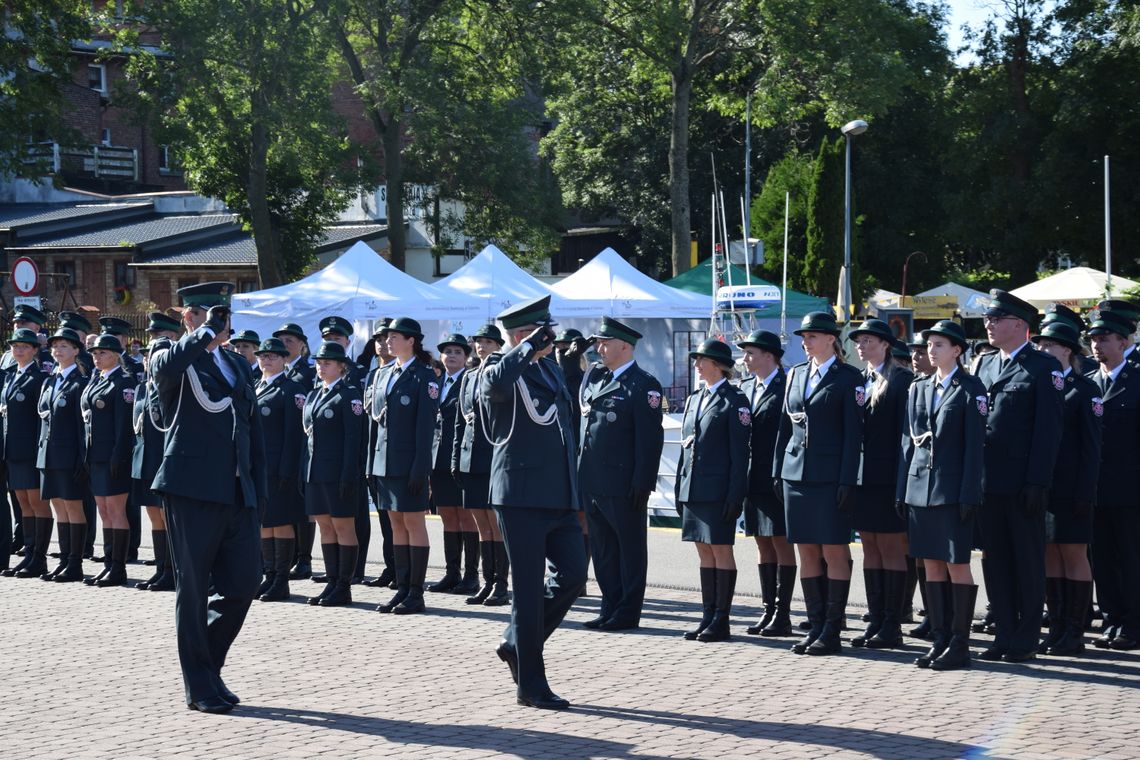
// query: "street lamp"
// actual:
[[850, 129], [906, 263]]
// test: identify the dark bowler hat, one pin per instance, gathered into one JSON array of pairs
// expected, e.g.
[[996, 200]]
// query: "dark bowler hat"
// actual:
[[108, 342], [381, 327], [611, 328], [876, 327], [949, 329], [490, 332], [568, 335], [75, 321], [24, 335], [206, 294], [290, 328], [68, 334], [1060, 331], [454, 339], [1126, 309], [331, 350], [272, 346], [162, 321], [533, 312], [1059, 312], [983, 347], [406, 326], [899, 350], [27, 313], [762, 339], [115, 326], [336, 325], [818, 321], [245, 336], [1003, 304], [1112, 322], [716, 350], [916, 341]]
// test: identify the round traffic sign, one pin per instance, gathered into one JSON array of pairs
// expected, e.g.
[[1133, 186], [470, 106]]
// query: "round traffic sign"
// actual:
[[25, 276]]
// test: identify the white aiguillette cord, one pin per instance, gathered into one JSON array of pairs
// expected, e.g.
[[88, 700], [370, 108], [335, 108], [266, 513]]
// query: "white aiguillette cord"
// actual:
[[519, 391]]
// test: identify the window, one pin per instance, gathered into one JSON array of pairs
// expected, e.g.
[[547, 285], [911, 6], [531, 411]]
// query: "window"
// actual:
[[247, 286], [105, 137], [163, 156], [97, 77], [65, 268], [124, 275], [184, 283]]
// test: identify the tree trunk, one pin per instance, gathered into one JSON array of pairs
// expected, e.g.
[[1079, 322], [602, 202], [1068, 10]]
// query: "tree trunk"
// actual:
[[394, 176], [679, 166], [269, 271]]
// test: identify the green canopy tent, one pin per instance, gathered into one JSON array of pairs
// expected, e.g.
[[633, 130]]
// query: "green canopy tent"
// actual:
[[699, 280]]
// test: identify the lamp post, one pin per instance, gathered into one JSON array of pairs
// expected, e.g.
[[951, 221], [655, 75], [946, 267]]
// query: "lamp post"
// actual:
[[906, 263], [850, 129]]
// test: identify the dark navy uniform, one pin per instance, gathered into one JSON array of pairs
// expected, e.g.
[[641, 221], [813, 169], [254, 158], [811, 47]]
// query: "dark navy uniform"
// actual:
[[471, 451], [303, 373], [884, 417], [444, 488], [279, 402], [330, 461], [19, 393], [404, 406], [1075, 483], [763, 512], [107, 404]]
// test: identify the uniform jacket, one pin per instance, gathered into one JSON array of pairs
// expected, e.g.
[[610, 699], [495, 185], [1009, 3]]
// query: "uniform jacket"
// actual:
[[135, 371], [1023, 429], [621, 434], [443, 443], [1120, 440], [205, 450], [470, 451], [107, 404], [713, 464], [279, 405], [304, 373], [334, 428], [821, 437], [883, 423], [942, 455], [149, 439], [63, 443], [44, 361], [405, 420], [766, 412], [536, 465], [18, 400], [1078, 463]]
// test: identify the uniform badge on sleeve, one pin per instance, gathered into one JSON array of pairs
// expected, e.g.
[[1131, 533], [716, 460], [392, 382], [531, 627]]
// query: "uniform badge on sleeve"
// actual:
[[433, 390], [357, 407], [1059, 381], [48, 367], [745, 415], [299, 400], [129, 395], [654, 399], [983, 405], [1098, 406], [860, 395]]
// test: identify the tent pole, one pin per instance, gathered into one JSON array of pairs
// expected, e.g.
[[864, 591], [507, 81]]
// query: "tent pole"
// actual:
[[747, 245], [784, 289]]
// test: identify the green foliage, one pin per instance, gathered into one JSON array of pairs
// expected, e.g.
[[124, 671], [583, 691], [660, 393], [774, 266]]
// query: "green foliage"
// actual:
[[792, 174], [983, 279], [823, 258]]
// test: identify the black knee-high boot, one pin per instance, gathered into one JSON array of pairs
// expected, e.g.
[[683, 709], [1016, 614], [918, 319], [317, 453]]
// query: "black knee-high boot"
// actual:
[[268, 564], [781, 624], [708, 602], [306, 534], [1055, 608], [487, 554], [413, 603], [816, 611], [452, 548], [937, 593], [469, 584], [873, 581], [165, 579], [957, 654], [77, 538], [836, 616], [120, 547], [331, 555], [1078, 595], [283, 557], [63, 538], [29, 535], [908, 590], [41, 540], [499, 594], [889, 634], [341, 593], [767, 595], [401, 559], [718, 629], [923, 629]]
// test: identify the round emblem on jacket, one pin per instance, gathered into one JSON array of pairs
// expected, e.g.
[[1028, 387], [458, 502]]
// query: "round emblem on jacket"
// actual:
[[100, 403], [62, 401], [328, 414], [405, 400], [19, 396], [266, 411], [611, 416]]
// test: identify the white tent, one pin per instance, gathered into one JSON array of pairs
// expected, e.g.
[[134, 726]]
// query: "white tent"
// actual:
[[971, 303], [494, 279], [361, 287], [609, 285], [1079, 287]]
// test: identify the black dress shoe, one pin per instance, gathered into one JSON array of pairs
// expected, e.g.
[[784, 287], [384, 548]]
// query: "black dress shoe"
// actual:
[[595, 623], [1104, 641], [322, 578], [1124, 643], [508, 655], [549, 701], [229, 696], [214, 705], [301, 571], [1019, 656], [993, 654], [618, 625]]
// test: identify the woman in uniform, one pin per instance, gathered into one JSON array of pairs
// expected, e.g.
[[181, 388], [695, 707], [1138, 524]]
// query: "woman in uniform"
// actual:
[[460, 533], [471, 463], [712, 481], [881, 531], [940, 486], [405, 401], [330, 466], [62, 453], [763, 512], [145, 461], [280, 399], [21, 391], [816, 464], [1069, 518]]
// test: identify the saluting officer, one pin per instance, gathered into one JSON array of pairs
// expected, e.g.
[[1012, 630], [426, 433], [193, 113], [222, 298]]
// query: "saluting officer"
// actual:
[[534, 490], [1116, 518], [149, 443], [25, 317], [620, 454], [1023, 434], [763, 512], [298, 367], [816, 468], [245, 343], [280, 399]]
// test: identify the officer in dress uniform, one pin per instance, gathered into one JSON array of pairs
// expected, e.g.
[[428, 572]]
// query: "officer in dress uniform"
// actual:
[[298, 367], [1129, 312], [919, 361], [1059, 313], [132, 366], [621, 444], [763, 512], [534, 490], [1023, 434], [25, 317], [212, 479], [387, 577], [78, 323], [73, 320], [246, 343], [147, 456]]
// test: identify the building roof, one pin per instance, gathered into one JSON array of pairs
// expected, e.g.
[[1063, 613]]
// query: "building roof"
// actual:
[[22, 215], [340, 234], [232, 252], [137, 233]]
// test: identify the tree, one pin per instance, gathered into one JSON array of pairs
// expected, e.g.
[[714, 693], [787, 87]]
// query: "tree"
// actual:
[[825, 216], [793, 174]]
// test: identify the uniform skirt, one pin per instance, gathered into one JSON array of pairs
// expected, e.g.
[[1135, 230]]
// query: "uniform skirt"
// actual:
[[1062, 526], [444, 490], [61, 484], [703, 523], [285, 505], [142, 494], [103, 483], [812, 516], [324, 499], [476, 487], [23, 476], [875, 510], [764, 516], [395, 497], [939, 533]]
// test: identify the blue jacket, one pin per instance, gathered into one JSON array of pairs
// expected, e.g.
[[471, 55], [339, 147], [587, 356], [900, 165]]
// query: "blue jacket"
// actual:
[[18, 399], [405, 420], [1078, 463], [334, 428], [470, 451], [713, 464], [883, 422], [821, 438], [444, 441], [63, 442], [107, 404], [279, 405], [149, 439], [1120, 440], [766, 413]]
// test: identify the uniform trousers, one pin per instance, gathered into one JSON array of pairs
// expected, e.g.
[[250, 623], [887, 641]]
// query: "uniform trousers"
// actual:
[[530, 536], [6, 526], [618, 545], [216, 544], [1014, 570], [1116, 566]]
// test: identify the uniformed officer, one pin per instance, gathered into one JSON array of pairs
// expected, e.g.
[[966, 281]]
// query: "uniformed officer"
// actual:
[[62, 453], [162, 325], [212, 479], [299, 368], [26, 317], [1023, 434], [534, 490], [1069, 518], [939, 479], [246, 343], [763, 512], [331, 466], [147, 456], [621, 444], [280, 400], [882, 533], [1129, 312], [471, 467], [460, 532], [405, 401], [18, 398], [1116, 518], [1058, 312], [570, 352], [75, 321], [379, 342], [816, 467], [919, 361]]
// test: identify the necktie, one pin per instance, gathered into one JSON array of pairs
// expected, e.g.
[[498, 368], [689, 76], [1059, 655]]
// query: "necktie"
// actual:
[[938, 391], [262, 385], [1106, 383], [757, 392], [701, 400], [813, 381]]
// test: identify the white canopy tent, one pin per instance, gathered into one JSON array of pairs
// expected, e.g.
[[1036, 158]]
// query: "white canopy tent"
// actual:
[[1079, 287], [494, 279], [609, 285], [971, 303]]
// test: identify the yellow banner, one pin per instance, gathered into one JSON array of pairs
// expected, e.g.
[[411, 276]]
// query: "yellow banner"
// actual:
[[931, 307]]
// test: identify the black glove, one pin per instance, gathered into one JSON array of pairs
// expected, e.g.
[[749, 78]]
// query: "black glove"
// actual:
[[731, 510], [416, 484], [1082, 508], [455, 473], [541, 338], [778, 489], [576, 348], [845, 498], [967, 511], [900, 509], [638, 498], [217, 318], [1033, 500], [348, 489]]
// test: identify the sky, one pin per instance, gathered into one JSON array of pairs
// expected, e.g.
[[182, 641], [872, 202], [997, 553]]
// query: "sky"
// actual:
[[972, 12]]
